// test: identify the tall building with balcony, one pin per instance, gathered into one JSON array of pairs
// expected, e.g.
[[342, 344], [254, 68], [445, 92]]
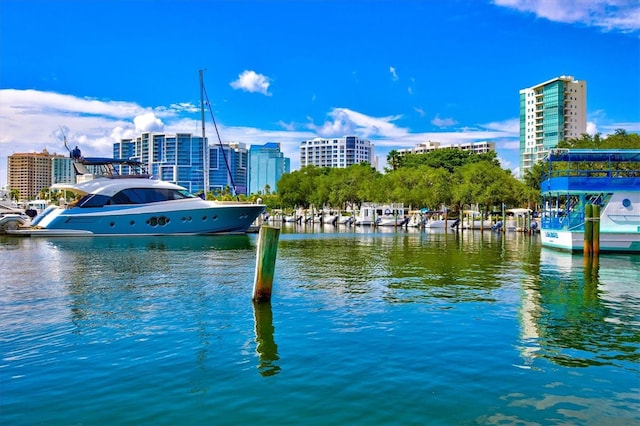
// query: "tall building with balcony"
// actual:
[[267, 164], [173, 158], [30, 173], [339, 152], [228, 168], [550, 112], [179, 159], [474, 147]]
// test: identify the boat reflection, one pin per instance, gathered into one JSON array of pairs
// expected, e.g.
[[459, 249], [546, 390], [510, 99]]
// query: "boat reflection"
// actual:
[[181, 243], [570, 293]]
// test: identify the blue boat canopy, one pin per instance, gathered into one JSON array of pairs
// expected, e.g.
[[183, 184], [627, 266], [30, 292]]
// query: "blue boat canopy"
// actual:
[[594, 155]]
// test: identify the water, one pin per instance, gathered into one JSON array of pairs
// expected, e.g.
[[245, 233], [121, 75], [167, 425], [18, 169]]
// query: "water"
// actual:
[[365, 327]]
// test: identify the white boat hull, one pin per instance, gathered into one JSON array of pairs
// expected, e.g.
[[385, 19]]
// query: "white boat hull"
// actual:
[[574, 241]]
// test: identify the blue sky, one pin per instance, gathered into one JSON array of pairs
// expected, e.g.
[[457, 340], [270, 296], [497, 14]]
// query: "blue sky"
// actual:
[[397, 72]]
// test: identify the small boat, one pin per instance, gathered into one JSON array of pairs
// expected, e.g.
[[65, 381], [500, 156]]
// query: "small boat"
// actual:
[[135, 204], [609, 179], [371, 214], [12, 217], [520, 220], [473, 219]]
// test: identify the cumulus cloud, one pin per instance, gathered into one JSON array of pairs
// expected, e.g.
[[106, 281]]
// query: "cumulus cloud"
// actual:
[[148, 122], [252, 82], [612, 15]]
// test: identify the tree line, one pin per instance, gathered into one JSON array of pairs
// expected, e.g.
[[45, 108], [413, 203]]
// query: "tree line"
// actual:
[[443, 177]]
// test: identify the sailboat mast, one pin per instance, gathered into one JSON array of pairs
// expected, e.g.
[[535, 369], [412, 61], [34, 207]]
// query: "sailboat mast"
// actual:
[[205, 145]]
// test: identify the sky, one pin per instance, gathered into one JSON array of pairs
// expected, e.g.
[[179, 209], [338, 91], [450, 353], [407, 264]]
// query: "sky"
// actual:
[[395, 72]]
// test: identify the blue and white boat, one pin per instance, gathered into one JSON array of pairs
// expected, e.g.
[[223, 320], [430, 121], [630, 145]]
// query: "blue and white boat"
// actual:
[[577, 177], [108, 203]]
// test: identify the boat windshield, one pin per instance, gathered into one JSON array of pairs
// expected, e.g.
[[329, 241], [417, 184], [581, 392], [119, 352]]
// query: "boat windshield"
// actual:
[[135, 196]]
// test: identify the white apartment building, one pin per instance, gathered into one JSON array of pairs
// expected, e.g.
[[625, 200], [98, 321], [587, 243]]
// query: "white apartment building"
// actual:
[[339, 152], [475, 147], [550, 112]]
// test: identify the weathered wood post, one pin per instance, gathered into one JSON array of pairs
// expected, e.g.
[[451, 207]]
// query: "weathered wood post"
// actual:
[[504, 220], [265, 263], [588, 230], [595, 219]]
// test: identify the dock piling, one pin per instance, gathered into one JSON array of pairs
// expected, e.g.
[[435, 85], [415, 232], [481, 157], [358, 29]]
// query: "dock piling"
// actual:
[[588, 230], [265, 263], [595, 231]]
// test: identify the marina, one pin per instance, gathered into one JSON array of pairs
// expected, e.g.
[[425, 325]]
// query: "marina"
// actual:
[[367, 325]]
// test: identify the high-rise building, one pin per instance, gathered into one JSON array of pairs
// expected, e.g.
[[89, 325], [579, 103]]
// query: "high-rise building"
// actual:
[[267, 164], [30, 173], [62, 170], [172, 158], [228, 168], [550, 112], [179, 159], [339, 152]]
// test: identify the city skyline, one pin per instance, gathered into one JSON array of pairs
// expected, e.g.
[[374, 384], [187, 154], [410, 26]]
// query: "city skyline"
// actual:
[[395, 73]]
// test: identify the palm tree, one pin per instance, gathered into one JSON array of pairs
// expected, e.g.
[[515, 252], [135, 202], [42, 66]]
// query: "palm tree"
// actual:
[[393, 159]]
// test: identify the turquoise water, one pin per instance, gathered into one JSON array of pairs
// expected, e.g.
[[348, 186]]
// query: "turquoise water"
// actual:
[[365, 327]]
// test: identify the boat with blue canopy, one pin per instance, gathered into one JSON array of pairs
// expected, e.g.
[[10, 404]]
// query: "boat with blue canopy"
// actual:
[[575, 178]]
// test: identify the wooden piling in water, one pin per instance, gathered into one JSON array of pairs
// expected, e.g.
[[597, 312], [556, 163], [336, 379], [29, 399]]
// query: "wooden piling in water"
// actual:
[[588, 230], [265, 263], [595, 220]]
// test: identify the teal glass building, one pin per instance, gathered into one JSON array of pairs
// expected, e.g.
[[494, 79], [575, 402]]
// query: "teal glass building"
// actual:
[[267, 165], [550, 112]]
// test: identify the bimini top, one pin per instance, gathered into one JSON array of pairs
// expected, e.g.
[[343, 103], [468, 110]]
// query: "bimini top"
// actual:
[[588, 170], [595, 155]]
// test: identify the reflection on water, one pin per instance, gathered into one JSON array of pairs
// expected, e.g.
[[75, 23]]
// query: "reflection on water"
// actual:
[[447, 328], [580, 313], [266, 346]]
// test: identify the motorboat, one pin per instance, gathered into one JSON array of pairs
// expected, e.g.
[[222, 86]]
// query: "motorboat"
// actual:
[[473, 219], [109, 203], [576, 178], [371, 214], [12, 217], [520, 220]]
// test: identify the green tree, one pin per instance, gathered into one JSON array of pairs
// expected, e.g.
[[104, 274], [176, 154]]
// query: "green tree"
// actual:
[[394, 159]]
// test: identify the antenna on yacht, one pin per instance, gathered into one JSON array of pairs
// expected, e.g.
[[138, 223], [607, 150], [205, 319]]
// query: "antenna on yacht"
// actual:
[[204, 96], [64, 139], [205, 145]]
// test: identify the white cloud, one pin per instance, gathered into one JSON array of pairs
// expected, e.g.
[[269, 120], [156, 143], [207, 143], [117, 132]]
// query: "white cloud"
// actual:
[[148, 122], [347, 122], [611, 15], [250, 81], [443, 122], [394, 75]]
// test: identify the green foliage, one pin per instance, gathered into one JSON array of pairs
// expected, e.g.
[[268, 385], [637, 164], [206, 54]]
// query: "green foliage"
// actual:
[[449, 159], [451, 179], [619, 140]]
